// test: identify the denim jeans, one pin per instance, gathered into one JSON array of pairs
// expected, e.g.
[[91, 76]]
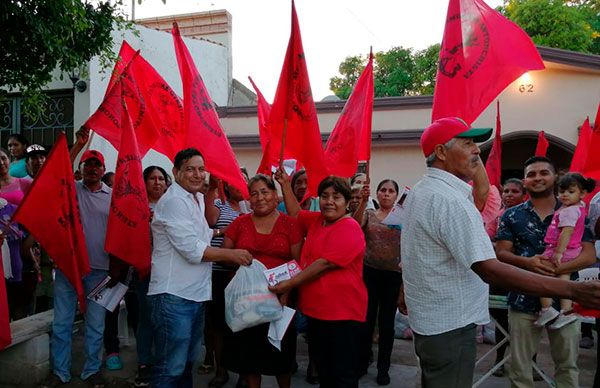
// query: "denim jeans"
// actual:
[[178, 327], [65, 307], [144, 336]]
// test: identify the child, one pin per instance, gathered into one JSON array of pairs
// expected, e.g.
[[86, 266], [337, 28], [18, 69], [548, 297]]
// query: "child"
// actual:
[[563, 240]]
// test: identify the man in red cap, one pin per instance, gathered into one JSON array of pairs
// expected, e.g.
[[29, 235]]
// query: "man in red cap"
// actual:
[[93, 197], [447, 259]]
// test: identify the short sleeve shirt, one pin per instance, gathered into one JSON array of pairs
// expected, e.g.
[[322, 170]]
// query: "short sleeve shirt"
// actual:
[[339, 294], [94, 207]]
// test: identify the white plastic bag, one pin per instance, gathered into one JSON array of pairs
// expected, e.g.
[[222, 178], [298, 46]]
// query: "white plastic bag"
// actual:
[[248, 301]]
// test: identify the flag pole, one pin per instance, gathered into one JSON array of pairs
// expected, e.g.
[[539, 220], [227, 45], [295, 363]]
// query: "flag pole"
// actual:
[[283, 140], [368, 172]]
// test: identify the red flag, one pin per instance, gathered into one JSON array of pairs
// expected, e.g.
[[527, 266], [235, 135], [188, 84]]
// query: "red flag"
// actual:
[[482, 53], [128, 230], [264, 111], [155, 109], [597, 120], [58, 227], [5, 336], [293, 118], [581, 150], [592, 163], [201, 122], [350, 140], [493, 165], [542, 144]]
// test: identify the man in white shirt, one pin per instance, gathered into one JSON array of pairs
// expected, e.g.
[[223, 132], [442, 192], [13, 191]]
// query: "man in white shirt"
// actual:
[[180, 280], [447, 256]]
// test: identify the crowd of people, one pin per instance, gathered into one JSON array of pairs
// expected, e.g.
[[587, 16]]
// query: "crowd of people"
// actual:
[[430, 253]]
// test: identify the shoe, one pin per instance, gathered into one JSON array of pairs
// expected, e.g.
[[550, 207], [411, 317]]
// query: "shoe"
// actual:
[[52, 381], [562, 320], [144, 375], [96, 381], [499, 372], [312, 376], [219, 381], [114, 362], [586, 343], [241, 383], [205, 369], [546, 315], [383, 378]]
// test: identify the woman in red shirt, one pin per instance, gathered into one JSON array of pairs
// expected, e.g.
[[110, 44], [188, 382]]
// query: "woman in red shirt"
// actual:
[[272, 238], [332, 293]]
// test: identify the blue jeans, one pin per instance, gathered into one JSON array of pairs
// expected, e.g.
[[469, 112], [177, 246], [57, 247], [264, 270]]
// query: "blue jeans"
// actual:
[[65, 307], [144, 336], [178, 327]]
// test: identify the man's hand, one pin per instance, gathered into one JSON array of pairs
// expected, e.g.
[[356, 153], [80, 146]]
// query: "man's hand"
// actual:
[[587, 294], [557, 258], [238, 256], [401, 302], [365, 192], [540, 264]]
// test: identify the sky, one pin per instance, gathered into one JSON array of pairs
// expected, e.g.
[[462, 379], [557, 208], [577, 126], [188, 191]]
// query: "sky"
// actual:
[[331, 31]]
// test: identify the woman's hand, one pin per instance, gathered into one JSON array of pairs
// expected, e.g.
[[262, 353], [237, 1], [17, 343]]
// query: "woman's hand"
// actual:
[[282, 288], [365, 192], [281, 176]]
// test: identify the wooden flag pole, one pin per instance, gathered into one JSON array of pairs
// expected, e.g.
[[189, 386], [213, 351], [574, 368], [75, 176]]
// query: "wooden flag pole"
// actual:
[[283, 141], [368, 171]]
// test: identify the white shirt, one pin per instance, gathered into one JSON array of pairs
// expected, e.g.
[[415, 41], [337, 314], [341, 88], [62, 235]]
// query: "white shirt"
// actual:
[[442, 236], [593, 215], [181, 235]]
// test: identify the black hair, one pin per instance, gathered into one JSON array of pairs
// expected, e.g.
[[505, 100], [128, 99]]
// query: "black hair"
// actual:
[[185, 155], [297, 175], [575, 179], [20, 138], [538, 159], [340, 185], [150, 169], [383, 182], [353, 179], [4, 150], [515, 181], [107, 176], [267, 180]]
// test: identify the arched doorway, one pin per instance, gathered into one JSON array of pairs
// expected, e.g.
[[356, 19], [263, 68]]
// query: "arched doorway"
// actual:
[[517, 147]]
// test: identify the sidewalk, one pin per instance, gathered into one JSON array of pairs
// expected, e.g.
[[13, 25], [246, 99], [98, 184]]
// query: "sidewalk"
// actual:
[[403, 371]]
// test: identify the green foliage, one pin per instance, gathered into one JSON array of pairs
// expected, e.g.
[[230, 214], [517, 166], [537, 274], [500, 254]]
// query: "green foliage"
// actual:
[[571, 25], [39, 36], [397, 72]]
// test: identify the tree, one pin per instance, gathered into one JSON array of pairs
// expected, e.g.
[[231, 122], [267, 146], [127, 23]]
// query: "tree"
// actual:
[[567, 24], [39, 36], [397, 72]]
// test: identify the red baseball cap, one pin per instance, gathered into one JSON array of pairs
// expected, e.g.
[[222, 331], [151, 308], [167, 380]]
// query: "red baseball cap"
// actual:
[[92, 154], [443, 130]]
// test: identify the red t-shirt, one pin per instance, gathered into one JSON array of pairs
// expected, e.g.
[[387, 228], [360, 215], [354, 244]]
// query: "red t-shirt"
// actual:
[[339, 294], [270, 249]]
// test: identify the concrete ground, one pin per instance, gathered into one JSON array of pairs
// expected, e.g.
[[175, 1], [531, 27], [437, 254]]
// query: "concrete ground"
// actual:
[[404, 371]]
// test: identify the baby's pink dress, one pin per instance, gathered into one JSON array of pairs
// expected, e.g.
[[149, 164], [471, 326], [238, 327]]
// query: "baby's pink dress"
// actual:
[[574, 216]]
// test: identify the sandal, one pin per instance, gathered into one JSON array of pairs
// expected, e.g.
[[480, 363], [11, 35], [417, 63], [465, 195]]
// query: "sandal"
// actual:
[[205, 369], [96, 380], [219, 381]]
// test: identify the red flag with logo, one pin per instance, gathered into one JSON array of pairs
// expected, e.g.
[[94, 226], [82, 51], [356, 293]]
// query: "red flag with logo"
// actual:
[[350, 140], [581, 150], [264, 111], [542, 144], [5, 336], [293, 120], [493, 165], [592, 163], [201, 122], [155, 109], [57, 228], [128, 230], [482, 52]]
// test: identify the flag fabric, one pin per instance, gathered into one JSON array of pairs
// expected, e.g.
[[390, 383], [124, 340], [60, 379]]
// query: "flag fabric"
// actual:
[[264, 111], [155, 109], [592, 162], [5, 336], [542, 144], [482, 52], [596, 126], [57, 228], [350, 140], [201, 122], [128, 230], [581, 150], [293, 120], [493, 165]]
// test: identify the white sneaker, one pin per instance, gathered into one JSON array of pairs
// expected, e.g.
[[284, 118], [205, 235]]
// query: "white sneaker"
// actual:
[[546, 315], [562, 320]]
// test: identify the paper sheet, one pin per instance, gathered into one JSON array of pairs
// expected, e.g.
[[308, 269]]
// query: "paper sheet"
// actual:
[[278, 328], [6, 262], [108, 298]]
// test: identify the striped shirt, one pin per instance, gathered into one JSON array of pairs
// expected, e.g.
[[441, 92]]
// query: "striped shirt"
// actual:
[[226, 216], [442, 237]]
